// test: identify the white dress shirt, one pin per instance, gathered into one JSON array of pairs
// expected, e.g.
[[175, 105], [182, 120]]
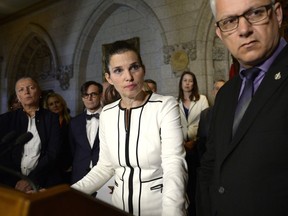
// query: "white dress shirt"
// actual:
[[91, 129], [31, 149]]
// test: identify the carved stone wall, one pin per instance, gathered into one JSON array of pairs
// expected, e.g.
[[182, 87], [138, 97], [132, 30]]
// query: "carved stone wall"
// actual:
[[61, 44], [179, 56]]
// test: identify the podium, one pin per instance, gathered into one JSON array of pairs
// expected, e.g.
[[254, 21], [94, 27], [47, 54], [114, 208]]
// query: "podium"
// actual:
[[60, 200]]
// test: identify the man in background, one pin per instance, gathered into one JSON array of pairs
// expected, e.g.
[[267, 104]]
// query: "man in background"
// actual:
[[84, 136], [205, 120]]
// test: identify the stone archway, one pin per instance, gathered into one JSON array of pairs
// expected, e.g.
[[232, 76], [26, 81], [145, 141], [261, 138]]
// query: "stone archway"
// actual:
[[215, 59], [33, 54], [102, 11]]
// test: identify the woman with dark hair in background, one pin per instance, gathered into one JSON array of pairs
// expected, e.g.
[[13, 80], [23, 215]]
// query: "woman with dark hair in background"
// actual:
[[191, 103], [13, 102]]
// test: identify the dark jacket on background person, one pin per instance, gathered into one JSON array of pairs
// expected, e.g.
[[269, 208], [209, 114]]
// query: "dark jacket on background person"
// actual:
[[203, 130], [82, 153], [45, 173], [247, 174]]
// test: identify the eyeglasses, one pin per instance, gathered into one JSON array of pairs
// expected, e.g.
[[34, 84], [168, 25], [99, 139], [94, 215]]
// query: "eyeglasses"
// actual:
[[252, 16], [92, 94]]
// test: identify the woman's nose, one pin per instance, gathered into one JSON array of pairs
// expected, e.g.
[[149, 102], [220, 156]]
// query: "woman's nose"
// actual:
[[128, 75]]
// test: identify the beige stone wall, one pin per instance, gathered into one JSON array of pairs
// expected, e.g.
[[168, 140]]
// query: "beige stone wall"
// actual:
[[75, 31]]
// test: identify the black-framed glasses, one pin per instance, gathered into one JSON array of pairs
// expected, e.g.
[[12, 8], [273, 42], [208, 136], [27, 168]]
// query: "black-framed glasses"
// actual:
[[252, 16], [92, 94]]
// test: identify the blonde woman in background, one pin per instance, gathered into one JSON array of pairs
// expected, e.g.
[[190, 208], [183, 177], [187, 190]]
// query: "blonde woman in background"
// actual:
[[56, 104]]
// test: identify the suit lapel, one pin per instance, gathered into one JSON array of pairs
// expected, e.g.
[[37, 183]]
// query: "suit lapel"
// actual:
[[96, 141], [273, 79], [228, 106], [82, 124], [191, 115]]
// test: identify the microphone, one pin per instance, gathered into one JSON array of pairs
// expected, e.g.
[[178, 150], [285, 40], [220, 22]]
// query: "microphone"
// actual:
[[8, 137], [21, 140]]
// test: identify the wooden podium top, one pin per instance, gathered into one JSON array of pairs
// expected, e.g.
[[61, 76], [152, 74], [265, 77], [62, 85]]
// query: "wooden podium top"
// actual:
[[61, 200]]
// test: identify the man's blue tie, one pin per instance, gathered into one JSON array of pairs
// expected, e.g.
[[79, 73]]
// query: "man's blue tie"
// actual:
[[246, 95]]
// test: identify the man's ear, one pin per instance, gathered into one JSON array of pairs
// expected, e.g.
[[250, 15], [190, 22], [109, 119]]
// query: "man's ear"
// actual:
[[18, 98], [278, 13], [218, 32]]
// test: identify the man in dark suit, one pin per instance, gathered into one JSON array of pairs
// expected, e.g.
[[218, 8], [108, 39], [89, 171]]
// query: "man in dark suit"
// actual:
[[244, 171], [84, 136], [37, 157]]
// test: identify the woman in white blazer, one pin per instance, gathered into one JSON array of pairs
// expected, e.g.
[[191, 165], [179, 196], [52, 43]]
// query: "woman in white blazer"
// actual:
[[191, 103], [141, 143]]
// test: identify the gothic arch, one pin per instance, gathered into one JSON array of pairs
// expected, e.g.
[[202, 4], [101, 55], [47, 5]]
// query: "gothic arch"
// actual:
[[102, 11], [32, 41], [215, 57]]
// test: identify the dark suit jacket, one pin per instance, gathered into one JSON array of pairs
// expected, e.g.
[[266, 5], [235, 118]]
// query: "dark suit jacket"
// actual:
[[82, 152], [203, 130], [47, 124], [247, 174], [65, 161]]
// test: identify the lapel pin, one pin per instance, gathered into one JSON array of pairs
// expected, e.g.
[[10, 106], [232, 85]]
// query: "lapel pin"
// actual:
[[277, 76]]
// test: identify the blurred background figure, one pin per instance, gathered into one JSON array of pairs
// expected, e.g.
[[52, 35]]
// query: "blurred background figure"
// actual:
[[146, 88], [216, 86], [105, 85], [13, 102], [56, 104], [205, 119], [191, 103], [202, 135], [151, 84], [110, 95]]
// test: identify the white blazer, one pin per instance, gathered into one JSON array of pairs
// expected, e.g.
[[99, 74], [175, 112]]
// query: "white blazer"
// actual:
[[190, 125], [146, 156]]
